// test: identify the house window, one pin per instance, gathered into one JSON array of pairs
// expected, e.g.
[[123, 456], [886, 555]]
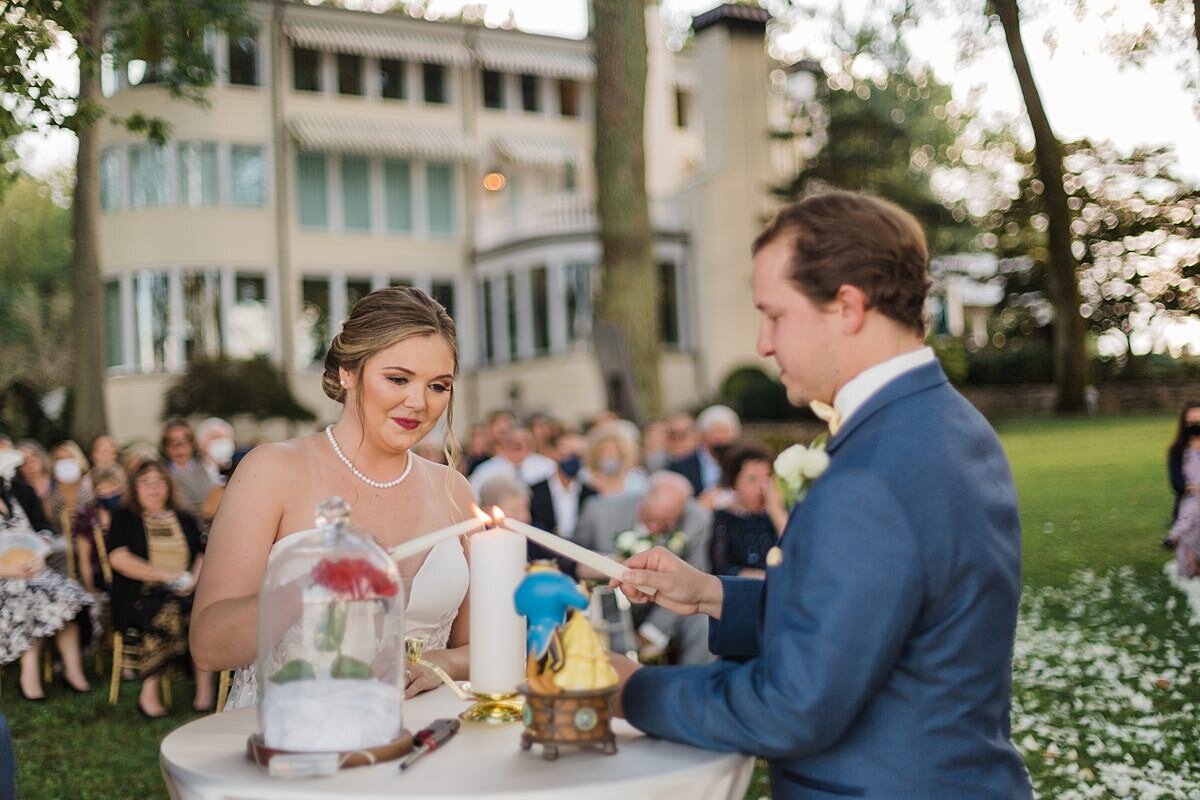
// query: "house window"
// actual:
[[201, 315], [391, 79], [356, 193], [439, 184], [510, 307], [356, 289], [147, 175], [150, 321], [683, 103], [314, 320], [668, 304], [312, 190], [110, 179], [568, 98], [306, 70], [243, 59], [433, 79], [114, 353], [251, 326], [197, 170], [247, 175], [530, 101], [489, 336], [541, 310], [570, 177], [349, 74], [493, 89], [579, 302], [397, 195], [443, 292]]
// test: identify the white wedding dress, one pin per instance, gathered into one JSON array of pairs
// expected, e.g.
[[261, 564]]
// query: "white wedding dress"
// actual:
[[437, 591]]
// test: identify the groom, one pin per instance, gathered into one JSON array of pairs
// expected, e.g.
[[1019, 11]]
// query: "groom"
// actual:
[[875, 659]]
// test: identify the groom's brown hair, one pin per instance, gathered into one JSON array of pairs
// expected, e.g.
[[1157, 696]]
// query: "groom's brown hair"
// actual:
[[852, 238]]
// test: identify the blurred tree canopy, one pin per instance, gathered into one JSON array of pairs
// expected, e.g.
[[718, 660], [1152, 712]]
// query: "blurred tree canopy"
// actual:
[[224, 387]]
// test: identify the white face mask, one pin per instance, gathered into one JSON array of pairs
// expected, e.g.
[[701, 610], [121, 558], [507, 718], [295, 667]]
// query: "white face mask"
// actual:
[[221, 451], [67, 470]]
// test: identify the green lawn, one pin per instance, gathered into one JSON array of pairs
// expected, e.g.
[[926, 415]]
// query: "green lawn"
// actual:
[[1104, 690]]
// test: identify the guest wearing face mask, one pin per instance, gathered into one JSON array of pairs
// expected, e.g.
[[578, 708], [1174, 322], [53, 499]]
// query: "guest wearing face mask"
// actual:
[[70, 489], [214, 437], [555, 503], [719, 427], [1183, 468], [611, 457], [94, 519]]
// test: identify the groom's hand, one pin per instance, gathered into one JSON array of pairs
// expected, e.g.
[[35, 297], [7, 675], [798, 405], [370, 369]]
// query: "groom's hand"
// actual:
[[624, 667], [679, 586]]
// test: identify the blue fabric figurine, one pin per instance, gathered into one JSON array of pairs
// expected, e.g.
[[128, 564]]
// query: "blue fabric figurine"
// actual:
[[544, 596]]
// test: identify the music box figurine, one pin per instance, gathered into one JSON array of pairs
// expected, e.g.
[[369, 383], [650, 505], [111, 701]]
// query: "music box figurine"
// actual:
[[570, 683]]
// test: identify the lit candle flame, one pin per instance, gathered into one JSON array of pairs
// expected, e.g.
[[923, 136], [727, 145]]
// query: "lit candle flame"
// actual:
[[498, 516], [481, 515]]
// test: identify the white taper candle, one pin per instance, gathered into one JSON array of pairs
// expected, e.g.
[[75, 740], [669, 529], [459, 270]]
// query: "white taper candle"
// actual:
[[576, 552]]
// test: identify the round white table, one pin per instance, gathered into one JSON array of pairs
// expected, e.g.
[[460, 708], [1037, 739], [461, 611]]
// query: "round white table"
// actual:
[[206, 760]]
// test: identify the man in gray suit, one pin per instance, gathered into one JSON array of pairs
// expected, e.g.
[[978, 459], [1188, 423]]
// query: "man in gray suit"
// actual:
[[666, 507]]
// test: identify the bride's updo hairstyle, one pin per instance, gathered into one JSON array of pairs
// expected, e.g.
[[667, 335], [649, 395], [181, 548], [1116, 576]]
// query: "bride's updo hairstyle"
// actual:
[[378, 321]]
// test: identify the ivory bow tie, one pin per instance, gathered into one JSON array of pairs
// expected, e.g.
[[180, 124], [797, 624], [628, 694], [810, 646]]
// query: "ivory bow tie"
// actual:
[[827, 414]]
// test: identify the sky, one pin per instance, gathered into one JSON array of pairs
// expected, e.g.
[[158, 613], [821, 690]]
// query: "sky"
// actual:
[[1085, 92]]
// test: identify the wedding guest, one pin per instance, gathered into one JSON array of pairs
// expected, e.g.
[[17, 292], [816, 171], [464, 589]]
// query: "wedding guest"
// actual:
[[514, 457], [70, 489], [1183, 468], [875, 660], [556, 502], [655, 455], [499, 423], [137, 454], [478, 449], [544, 429], [392, 368], [666, 508], [719, 426], [507, 493], [37, 603], [36, 473], [155, 552], [105, 451], [611, 456], [681, 436], [95, 518], [745, 530], [183, 460], [215, 441]]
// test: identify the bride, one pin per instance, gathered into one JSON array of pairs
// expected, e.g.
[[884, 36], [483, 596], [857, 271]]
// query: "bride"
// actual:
[[392, 368]]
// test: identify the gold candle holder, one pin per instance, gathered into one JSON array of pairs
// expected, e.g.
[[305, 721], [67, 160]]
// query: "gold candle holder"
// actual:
[[495, 709]]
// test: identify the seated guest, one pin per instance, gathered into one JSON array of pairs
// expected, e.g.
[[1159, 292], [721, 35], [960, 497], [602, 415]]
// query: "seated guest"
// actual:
[[478, 449], [555, 503], [508, 494], [749, 526], [216, 445], [105, 451], [719, 427], [667, 508], [37, 603], [35, 473], [179, 447], [515, 458], [96, 518], [655, 455], [545, 430], [681, 436], [70, 488], [152, 544], [611, 457]]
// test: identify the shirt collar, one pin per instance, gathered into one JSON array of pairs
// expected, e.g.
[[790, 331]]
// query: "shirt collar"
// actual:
[[851, 397]]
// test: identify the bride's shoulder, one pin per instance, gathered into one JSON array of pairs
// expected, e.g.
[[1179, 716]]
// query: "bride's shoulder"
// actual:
[[271, 459]]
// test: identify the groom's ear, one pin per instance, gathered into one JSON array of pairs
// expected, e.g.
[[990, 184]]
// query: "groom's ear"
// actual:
[[852, 305]]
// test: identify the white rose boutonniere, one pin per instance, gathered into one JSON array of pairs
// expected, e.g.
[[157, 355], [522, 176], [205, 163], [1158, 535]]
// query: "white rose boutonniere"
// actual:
[[630, 543], [798, 466]]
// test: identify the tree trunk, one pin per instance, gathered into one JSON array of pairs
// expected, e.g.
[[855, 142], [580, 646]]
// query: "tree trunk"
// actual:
[[1070, 355], [629, 293], [1196, 20], [88, 417]]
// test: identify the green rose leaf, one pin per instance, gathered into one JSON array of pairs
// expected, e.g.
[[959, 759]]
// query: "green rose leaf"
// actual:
[[347, 667], [295, 670]]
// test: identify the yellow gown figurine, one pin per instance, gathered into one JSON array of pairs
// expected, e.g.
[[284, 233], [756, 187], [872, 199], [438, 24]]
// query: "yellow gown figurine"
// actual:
[[586, 665]]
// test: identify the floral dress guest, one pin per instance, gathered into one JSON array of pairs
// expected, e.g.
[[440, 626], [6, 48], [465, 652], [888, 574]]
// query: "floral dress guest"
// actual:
[[37, 603], [1183, 465], [749, 526], [156, 555]]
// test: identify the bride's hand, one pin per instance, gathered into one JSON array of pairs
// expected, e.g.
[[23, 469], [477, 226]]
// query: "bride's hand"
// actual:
[[419, 679]]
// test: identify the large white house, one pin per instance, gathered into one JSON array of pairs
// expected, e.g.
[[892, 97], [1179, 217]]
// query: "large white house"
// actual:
[[341, 151]]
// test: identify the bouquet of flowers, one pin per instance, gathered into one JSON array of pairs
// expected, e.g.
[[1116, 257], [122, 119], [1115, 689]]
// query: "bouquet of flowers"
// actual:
[[639, 540], [797, 467]]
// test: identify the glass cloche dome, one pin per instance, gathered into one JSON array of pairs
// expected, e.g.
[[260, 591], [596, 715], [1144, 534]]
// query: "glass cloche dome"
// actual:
[[330, 640]]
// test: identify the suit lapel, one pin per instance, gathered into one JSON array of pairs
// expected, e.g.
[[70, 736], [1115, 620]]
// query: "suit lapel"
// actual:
[[923, 377]]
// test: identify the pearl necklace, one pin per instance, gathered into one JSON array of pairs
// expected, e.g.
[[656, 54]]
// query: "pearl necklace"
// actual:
[[350, 465]]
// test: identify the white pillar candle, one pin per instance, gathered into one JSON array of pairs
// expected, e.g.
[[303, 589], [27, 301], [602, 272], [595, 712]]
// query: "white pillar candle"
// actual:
[[497, 631]]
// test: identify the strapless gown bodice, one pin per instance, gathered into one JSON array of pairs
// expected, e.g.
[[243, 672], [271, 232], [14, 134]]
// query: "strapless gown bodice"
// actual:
[[434, 597]]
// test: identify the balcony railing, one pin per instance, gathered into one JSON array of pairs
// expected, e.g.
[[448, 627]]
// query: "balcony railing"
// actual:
[[563, 213]]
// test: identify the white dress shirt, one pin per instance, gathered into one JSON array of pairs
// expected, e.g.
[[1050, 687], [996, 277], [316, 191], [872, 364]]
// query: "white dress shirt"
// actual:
[[862, 386], [566, 505], [536, 467]]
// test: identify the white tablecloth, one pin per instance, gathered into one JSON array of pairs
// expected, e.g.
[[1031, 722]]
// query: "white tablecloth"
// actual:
[[206, 760]]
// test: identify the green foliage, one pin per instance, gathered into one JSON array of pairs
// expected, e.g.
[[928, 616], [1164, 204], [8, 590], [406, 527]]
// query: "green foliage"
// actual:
[[226, 388], [953, 355], [754, 395]]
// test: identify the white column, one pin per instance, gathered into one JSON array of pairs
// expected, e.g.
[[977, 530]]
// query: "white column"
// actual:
[[275, 295], [224, 174], [328, 67], [423, 282], [174, 355], [524, 314], [499, 319], [378, 198], [420, 200], [464, 322], [128, 312], [227, 301], [556, 297]]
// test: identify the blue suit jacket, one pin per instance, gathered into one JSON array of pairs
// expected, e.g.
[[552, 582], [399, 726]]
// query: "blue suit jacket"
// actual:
[[877, 657]]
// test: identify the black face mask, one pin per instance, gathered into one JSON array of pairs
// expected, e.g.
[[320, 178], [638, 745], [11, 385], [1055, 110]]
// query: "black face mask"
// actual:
[[718, 452], [570, 466], [1192, 430], [110, 503]]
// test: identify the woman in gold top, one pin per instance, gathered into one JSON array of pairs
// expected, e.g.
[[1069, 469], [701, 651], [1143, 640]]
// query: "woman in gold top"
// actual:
[[155, 552]]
